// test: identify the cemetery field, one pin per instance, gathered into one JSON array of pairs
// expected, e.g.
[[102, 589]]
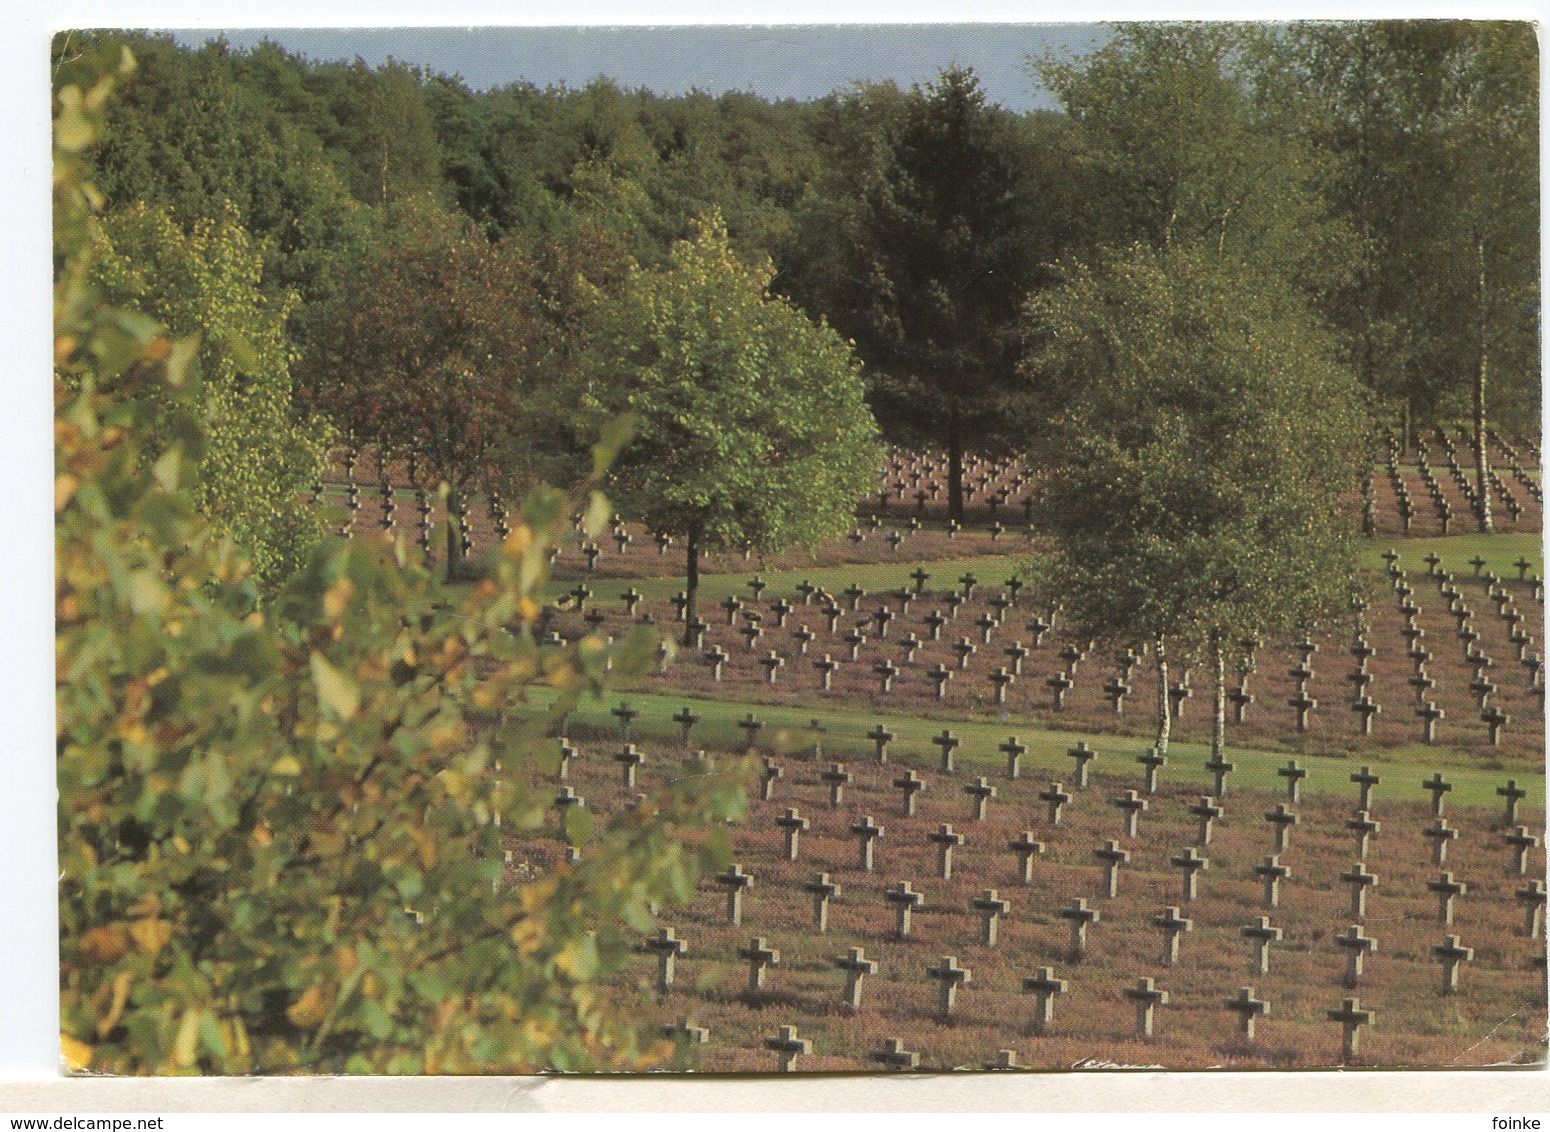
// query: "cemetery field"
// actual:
[[947, 781], [1495, 1016]]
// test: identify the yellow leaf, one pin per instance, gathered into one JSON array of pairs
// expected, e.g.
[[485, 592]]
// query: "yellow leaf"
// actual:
[[103, 944], [116, 1009], [64, 490], [336, 691], [151, 934], [336, 599], [520, 538], [77, 1054], [286, 765], [185, 1044], [309, 1009]]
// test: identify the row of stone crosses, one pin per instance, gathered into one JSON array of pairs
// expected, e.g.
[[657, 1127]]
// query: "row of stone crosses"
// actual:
[[1462, 478]]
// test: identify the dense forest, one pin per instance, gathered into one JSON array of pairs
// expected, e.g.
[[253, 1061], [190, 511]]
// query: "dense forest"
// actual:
[[1385, 172]]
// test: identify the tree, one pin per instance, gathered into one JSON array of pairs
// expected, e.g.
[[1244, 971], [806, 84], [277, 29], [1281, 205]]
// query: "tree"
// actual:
[[281, 831], [1196, 473], [1432, 129], [1186, 147], [257, 459], [752, 426], [441, 345]]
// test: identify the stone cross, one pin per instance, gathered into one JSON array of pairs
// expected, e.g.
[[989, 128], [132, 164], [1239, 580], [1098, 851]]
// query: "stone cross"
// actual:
[[1438, 786], [911, 645], [986, 624], [835, 778], [767, 777], [1220, 768], [1247, 1008], [982, 792], [789, 1047], [881, 737], [856, 966], [1038, 626], [1365, 707], [1302, 703], [991, 908], [1192, 864], [803, 636], [886, 670], [1059, 684], [867, 832], [1446, 889], [920, 577], [909, 784], [1044, 986], [1056, 798], [894, 1056], [668, 948], [854, 639], [1112, 857], [1282, 819], [793, 824], [1532, 897], [736, 882], [1147, 998], [963, 649], [948, 742], [1366, 780], [760, 956], [1082, 754], [567, 798], [1351, 1017], [1357, 947], [629, 758], [904, 900], [822, 890], [1439, 833], [949, 977], [1360, 881], [1001, 679], [880, 617], [1153, 761], [1133, 805], [1495, 719], [1452, 954], [939, 675], [1026, 849], [1016, 652], [1005, 1059], [1362, 824], [1014, 751], [772, 663], [686, 719], [945, 839], [1207, 811], [751, 726], [1116, 689], [1079, 915], [1241, 698], [1263, 933], [826, 664], [682, 1031], [1272, 872], [1172, 925], [1513, 793], [1430, 713], [1520, 841], [717, 659], [934, 621]]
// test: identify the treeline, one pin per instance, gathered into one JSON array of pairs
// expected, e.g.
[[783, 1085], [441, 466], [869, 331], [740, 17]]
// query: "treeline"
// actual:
[[1384, 174]]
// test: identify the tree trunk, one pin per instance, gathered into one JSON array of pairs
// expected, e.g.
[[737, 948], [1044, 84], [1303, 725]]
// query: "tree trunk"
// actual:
[[1482, 482], [454, 539], [691, 578], [1218, 698], [1164, 707], [954, 467]]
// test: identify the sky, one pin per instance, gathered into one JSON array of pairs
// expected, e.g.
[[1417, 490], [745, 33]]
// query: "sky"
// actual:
[[793, 61]]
